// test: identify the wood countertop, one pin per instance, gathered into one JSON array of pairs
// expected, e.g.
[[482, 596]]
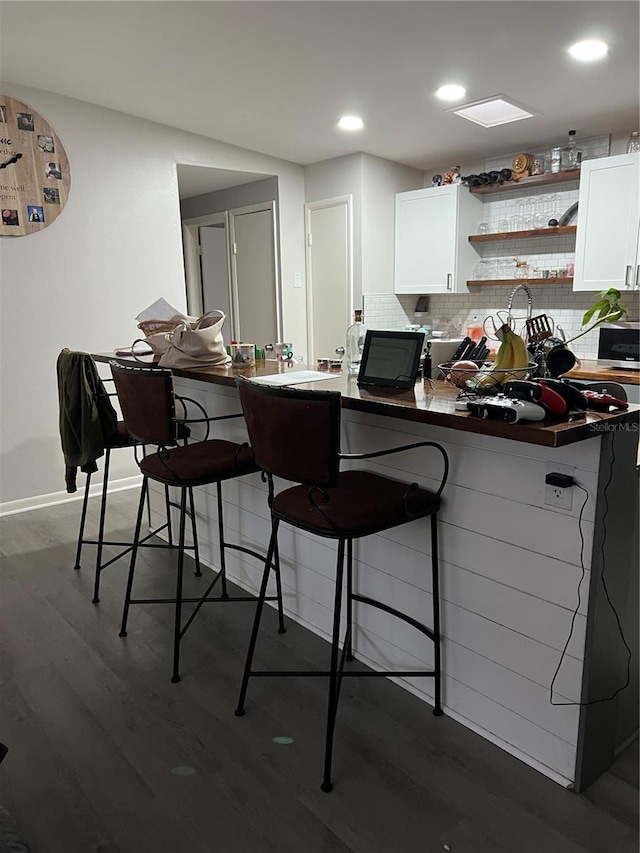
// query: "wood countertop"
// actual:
[[423, 404], [589, 369]]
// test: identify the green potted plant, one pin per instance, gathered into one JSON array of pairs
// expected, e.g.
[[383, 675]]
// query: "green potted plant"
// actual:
[[606, 309]]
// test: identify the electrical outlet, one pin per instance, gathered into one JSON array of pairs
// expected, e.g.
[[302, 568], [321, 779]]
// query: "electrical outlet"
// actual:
[[558, 497]]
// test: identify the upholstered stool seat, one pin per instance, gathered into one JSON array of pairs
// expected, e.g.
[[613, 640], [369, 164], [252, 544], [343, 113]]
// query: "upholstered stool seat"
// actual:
[[361, 503], [199, 464]]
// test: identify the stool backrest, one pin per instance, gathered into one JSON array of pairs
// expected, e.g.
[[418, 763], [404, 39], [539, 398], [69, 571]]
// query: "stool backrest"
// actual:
[[294, 434], [147, 403]]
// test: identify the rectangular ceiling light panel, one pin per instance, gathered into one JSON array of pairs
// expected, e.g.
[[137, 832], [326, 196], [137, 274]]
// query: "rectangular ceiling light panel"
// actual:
[[492, 112]]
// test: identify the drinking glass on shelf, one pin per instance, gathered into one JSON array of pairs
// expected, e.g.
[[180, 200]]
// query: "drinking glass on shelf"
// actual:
[[484, 228], [541, 215], [553, 206], [516, 222], [506, 268], [503, 226], [492, 267], [524, 207], [482, 270]]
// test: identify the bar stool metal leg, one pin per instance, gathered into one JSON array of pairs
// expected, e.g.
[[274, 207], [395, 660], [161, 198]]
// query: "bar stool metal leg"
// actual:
[[334, 675], [349, 635], [276, 568], [83, 518], [134, 554], [258, 615], [103, 513], [196, 553], [435, 589], [222, 545], [167, 504], [177, 631]]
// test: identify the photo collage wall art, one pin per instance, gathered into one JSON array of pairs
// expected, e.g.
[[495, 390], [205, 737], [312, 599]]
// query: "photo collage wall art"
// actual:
[[34, 170]]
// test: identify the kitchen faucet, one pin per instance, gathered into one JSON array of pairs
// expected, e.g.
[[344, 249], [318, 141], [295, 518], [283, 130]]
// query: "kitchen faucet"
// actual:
[[529, 306], [529, 299]]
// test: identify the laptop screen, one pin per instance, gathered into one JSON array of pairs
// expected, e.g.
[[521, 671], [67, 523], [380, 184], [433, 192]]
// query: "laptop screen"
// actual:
[[391, 359]]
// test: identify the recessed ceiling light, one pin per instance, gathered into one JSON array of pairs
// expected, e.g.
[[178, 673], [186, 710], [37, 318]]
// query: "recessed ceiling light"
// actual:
[[351, 123], [491, 112], [451, 92], [589, 50]]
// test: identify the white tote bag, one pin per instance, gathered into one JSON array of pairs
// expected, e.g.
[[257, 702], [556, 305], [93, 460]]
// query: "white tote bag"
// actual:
[[199, 346]]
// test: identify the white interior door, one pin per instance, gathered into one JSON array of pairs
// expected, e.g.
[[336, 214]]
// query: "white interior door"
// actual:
[[214, 269], [329, 275], [254, 284]]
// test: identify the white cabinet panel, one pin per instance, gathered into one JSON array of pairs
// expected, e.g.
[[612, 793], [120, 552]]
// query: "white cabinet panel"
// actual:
[[608, 224], [432, 251]]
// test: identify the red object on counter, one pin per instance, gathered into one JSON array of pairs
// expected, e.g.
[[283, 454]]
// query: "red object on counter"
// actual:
[[602, 402]]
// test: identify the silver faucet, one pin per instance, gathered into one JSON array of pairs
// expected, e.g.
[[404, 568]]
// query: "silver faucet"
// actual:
[[529, 299]]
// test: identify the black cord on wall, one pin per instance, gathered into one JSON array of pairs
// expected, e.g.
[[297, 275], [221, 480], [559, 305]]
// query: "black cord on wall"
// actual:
[[606, 591]]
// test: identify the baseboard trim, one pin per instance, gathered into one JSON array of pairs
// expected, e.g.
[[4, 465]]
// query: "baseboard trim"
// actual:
[[42, 501]]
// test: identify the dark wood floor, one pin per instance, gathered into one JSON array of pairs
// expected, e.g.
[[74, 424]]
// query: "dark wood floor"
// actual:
[[105, 754]]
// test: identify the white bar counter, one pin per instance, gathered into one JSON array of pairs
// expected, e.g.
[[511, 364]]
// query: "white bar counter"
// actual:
[[510, 565]]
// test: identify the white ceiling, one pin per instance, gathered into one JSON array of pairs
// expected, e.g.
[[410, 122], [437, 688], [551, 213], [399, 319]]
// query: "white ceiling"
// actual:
[[274, 77]]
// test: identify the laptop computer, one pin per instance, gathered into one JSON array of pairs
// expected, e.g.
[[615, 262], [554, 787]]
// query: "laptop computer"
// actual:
[[391, 359]]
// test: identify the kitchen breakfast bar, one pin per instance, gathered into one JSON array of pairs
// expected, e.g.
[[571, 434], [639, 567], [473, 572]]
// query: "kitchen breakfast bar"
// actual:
[[518, 668]]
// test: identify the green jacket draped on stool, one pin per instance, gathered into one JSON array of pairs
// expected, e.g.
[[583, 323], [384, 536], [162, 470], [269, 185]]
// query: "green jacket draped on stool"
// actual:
[[88, 421]]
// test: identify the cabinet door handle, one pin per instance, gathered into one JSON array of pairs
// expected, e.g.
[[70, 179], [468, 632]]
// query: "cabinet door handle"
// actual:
[[449, 277], [637, 284], [628, 275]]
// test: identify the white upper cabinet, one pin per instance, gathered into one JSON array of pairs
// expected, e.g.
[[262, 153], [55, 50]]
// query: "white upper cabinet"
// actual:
[[607, 240], [432, 251]]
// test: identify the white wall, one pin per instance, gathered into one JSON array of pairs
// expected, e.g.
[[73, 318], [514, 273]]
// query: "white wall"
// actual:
[[373, 183], [332, 179], [115, 248], [381, 180]]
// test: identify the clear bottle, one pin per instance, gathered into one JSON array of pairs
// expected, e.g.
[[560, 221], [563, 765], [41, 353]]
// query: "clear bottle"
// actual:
[[633, 145], [571, 154], [356, 333]]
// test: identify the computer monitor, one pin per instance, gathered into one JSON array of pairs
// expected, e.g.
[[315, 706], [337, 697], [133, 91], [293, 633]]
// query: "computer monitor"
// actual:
[[391, 359]]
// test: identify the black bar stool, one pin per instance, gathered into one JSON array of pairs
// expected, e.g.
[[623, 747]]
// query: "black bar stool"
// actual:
[[148, 403], [89, 429], [336, 505]]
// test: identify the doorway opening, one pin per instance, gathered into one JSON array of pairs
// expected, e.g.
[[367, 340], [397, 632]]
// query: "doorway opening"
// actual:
[[231, 264], [329, 229]]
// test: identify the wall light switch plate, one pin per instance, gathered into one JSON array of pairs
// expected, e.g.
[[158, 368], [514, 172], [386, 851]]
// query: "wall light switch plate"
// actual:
[[297, 279]]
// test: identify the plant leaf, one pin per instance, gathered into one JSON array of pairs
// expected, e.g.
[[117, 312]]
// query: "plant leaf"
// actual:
[[597, 306], [612, 294], [606, 309]]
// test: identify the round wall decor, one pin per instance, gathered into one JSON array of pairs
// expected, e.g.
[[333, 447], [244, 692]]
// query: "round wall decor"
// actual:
[[34, 170]]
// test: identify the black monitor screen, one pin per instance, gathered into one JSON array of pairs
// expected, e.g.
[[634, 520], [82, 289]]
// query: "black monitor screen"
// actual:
[[391, 359]]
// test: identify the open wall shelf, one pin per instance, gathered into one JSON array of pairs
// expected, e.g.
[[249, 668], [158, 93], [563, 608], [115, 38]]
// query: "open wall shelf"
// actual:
[[558, 231], [546, 180], [492, 282]]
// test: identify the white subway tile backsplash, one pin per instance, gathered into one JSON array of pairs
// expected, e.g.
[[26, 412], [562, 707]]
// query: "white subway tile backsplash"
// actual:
[[454, 312]]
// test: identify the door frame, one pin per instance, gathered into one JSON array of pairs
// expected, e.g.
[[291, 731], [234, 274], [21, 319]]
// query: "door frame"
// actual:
[[309, 207], [241, 211], [192, 266], [193, 269]]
